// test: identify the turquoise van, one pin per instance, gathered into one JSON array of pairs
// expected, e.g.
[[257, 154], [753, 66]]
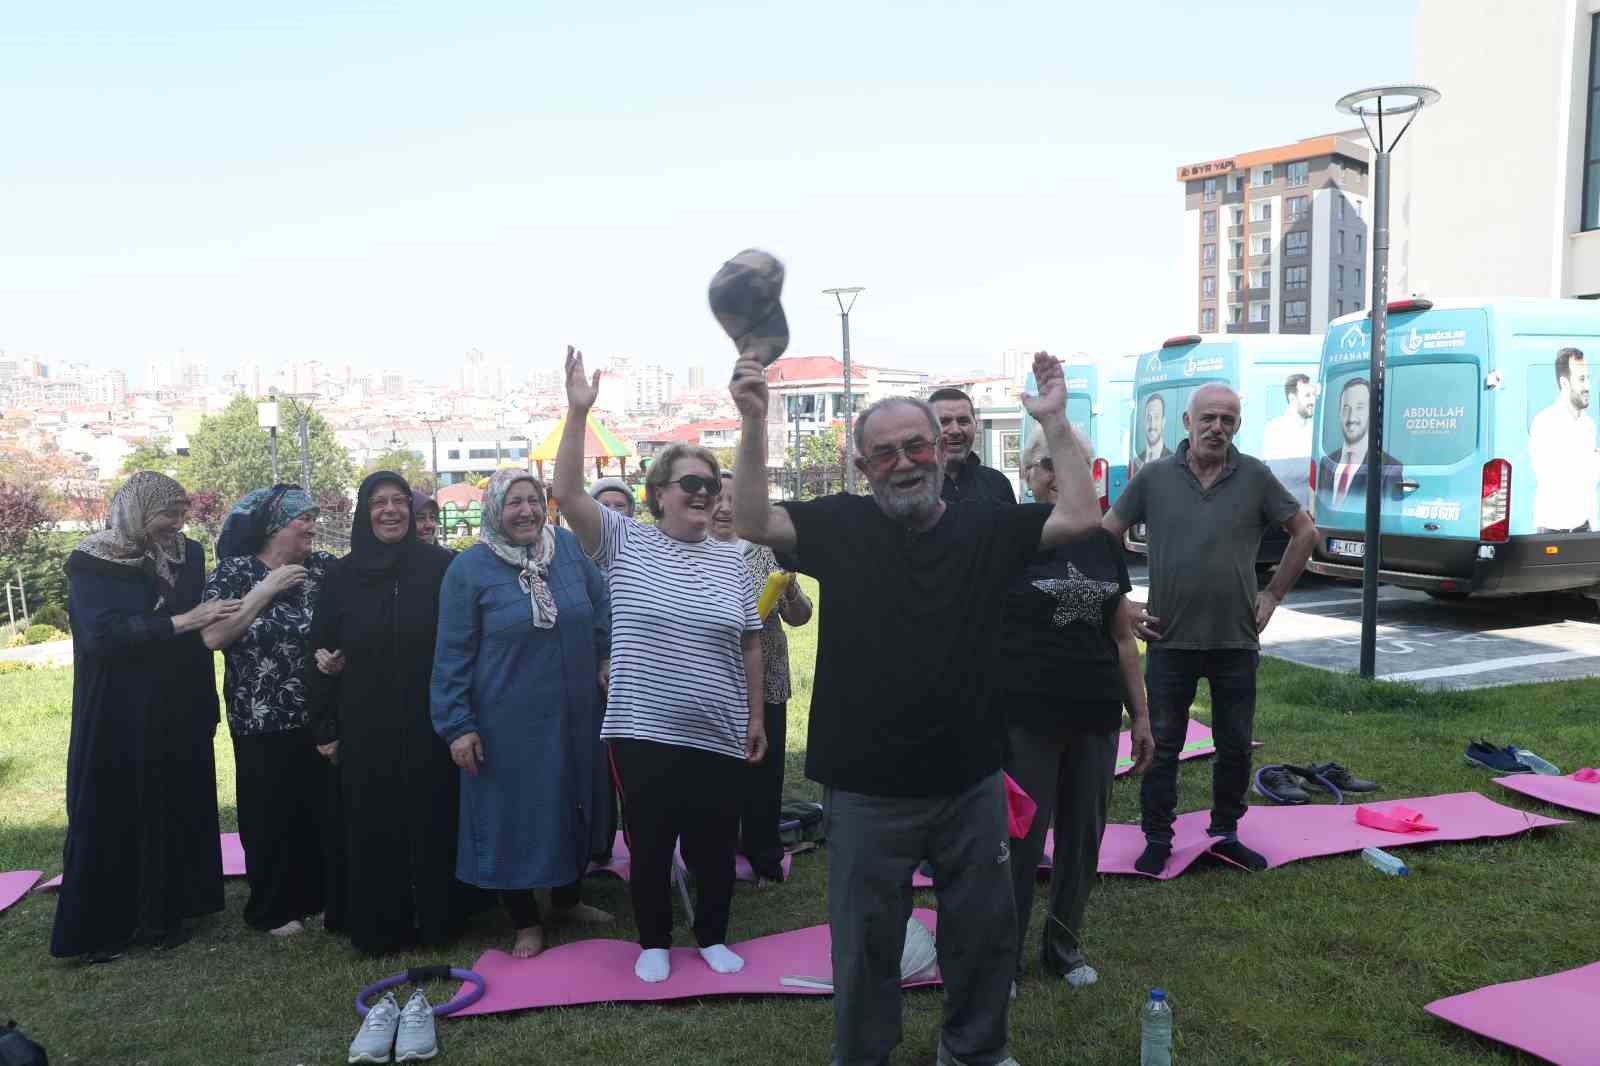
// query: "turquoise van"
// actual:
[[1099, 397], [1490, 476], [1276, 378]]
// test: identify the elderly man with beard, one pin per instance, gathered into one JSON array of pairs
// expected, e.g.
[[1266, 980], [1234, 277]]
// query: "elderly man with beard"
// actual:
[[903, 734], [965, 478]]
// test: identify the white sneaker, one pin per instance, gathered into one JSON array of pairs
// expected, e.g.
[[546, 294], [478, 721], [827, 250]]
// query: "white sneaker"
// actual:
[[375, 1039], [417, 1039]]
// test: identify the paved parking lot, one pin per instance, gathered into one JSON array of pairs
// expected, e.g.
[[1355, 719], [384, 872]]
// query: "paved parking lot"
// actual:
[[1435, 643]]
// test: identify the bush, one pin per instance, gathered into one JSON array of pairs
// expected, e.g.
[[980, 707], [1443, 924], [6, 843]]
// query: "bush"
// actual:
[[51, 614], [42, 634]]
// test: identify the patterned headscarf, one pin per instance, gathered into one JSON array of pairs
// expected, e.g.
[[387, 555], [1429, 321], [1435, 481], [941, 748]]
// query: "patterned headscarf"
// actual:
[[123, 541], [532, 560], [282, 505]]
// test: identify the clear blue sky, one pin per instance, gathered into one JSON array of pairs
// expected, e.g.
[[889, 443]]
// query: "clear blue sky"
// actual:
[[394, 183]]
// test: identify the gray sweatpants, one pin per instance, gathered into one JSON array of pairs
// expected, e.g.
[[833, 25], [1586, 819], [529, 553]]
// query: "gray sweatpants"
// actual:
[[874, 845], [1069, 776]]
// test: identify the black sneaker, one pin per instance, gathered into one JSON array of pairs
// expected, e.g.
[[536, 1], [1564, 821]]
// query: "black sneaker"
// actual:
[[1339, 778], [1279, 785]]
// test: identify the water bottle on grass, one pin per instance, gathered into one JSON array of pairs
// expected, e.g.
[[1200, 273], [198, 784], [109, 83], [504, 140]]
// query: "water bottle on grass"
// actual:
[[1155, 1031]]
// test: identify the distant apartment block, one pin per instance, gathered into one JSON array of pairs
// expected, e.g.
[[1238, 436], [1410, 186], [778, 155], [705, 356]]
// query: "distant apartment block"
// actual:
[[1275, 240]]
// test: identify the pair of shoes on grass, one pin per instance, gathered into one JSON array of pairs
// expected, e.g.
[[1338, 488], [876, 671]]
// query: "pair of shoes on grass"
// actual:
[[1289, 784], [393, 1034]]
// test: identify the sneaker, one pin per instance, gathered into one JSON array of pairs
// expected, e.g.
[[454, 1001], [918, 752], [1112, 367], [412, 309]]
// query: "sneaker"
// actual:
[[1339, 778], [1279, 785], [375, 1039], [1502, 760], [417, 1038]]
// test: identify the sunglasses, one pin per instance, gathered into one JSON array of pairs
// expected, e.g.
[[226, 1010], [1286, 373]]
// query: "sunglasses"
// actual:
[[881, 460], [694, 483]]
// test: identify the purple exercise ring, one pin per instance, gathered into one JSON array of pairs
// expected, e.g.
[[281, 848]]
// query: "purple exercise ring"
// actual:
[[419, 974]]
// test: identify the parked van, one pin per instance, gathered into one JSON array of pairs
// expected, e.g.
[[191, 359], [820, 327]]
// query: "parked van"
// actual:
[[1491, 462], [1276, 378], [1099, 399]]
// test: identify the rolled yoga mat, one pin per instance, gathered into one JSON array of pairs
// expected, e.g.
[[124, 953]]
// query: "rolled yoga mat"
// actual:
[[1551, 1017]]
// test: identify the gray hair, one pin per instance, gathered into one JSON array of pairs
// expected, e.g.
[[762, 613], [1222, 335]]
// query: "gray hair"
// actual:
[[893, 401]]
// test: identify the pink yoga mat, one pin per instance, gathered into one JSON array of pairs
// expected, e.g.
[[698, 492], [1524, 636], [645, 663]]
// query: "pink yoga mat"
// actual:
[[621, 864], [601, 971], [1285, 834], [15, 885], [1551, 1017], [232, 861], [1565, 791]]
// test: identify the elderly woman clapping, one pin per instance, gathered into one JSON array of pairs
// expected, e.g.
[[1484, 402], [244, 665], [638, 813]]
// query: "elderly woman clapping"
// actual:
[[524, 628]]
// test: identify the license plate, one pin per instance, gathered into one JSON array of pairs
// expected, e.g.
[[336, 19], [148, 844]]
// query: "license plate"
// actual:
[[1354, 548]]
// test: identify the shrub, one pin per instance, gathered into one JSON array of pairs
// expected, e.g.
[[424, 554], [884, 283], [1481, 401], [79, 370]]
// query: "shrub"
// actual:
[[42, 634], [51, 614]]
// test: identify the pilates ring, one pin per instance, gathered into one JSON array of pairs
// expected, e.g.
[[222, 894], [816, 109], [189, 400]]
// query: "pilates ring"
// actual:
[[418, 974]]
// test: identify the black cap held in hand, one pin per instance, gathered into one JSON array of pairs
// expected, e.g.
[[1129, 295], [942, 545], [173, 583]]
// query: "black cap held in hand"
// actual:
[[745, 298]]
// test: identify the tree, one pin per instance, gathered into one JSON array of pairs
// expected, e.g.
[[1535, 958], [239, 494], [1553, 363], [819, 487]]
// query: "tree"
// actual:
[[408, 464], [230, 454], [24, 514]]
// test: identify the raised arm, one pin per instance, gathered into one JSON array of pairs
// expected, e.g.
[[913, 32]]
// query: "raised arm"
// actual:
[[577, 506], [1077, 510], [754, 516]]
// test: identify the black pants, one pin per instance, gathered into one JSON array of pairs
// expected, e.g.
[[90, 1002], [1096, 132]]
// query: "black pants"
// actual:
[[284, 795], [523, 905], [1170, 678], [763, 800], [671, 792]]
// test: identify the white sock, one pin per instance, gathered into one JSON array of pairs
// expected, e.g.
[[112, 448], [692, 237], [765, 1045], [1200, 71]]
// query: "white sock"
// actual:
[[720, 959], [654, 965]]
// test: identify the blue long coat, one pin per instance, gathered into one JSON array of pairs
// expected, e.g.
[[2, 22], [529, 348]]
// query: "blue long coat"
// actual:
[[534, 812]]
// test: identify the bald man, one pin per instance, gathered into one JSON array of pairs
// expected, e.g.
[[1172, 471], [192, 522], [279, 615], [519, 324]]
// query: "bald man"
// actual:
[[1206, 508]]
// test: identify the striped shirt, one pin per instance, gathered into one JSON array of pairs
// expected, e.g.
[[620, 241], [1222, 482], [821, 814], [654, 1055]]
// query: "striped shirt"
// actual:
[[678, 613]]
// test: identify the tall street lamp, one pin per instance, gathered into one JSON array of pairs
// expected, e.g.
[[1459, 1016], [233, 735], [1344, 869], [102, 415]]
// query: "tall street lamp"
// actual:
[[1374, 105], [849, 401]]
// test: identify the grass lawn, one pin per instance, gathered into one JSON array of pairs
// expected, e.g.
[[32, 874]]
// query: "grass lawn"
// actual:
[[1322, 962]]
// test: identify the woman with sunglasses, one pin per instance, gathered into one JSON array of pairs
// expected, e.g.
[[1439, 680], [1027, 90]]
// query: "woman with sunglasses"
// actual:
[[684, 711], [1068, 665]]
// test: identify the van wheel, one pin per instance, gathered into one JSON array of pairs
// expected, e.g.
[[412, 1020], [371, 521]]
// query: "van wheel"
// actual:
[[1451, 595]]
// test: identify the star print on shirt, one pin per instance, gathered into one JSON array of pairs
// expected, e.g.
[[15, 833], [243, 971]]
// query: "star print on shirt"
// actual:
[[1078, 598]]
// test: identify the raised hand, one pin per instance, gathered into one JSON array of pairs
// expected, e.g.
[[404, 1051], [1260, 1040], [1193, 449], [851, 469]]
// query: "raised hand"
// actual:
[[582, 390], [1048, 378], [749, 388]]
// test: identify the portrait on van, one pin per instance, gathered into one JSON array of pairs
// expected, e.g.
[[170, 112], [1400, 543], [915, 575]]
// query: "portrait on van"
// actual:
[[1561, 449], [1342, 471], [1151, 434], [1290, 435]]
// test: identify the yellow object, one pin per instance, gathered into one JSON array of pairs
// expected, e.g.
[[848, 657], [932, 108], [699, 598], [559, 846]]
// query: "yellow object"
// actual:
[[776, 584]]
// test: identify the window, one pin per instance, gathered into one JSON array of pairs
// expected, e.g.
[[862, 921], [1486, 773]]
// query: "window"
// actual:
[[1298, 206], [1235, 314], [1294, 313], [1338, 242], [1010, 451], [1296, 243], [1261, 211], [1358, 279], [1261, 245], [1208, 286], [1208, 224], [1260, 279], [1208, 320], [1298, 173], [1338, 208], [1261, 312], [1238, 216], [1210, 193], [1338, 276], [1591, 141], [1208, 254], [1294, 278], [1260, 176]]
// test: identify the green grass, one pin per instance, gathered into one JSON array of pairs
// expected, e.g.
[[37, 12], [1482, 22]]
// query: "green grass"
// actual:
[[1321, 962]]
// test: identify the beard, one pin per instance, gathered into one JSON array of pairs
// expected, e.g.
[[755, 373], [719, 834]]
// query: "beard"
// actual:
[[909, 508]]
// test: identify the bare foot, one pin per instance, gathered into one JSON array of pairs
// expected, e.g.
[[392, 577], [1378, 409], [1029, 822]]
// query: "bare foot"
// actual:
[[583, 914], [290, 928], [530, 942]]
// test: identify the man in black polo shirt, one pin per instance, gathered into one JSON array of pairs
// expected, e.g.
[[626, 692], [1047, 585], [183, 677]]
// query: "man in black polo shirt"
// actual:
[[1206, 508], [965, 478], [904, 737]]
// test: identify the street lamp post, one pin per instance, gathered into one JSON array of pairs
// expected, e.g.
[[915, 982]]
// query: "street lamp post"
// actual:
[[1377, 104], [267, 419], [849, 400]]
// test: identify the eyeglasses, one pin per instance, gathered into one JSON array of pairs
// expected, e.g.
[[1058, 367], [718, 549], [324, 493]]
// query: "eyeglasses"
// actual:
[[880, 460], [693, 483]]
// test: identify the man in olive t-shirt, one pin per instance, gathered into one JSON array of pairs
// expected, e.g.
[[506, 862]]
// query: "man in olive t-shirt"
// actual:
[[1206, 508]]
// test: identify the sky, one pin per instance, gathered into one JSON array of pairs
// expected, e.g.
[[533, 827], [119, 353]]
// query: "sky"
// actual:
[[392, 184]]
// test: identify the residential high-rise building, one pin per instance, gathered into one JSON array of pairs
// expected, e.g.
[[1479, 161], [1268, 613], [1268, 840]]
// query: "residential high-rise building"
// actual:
[[1275, 240]]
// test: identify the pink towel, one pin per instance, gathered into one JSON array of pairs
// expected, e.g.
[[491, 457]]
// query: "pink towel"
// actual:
[[1396, 818], [1020, 809]]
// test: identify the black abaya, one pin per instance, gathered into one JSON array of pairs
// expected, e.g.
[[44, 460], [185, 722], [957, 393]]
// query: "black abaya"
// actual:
[[142, 851]]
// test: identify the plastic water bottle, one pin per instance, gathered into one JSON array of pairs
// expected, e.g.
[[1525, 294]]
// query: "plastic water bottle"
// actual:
[[1383, 862], [1155, 1031]]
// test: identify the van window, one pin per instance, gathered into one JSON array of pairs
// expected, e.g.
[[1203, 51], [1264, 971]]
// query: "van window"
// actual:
[[1432, 418]]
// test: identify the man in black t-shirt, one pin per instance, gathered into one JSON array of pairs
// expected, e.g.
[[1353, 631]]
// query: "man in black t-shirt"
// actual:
[[904, 736], [965, 477]]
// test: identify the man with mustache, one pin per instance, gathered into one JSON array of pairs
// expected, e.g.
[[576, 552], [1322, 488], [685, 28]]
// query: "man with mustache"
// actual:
[[1206, 508], [903, 734], [965, 477]]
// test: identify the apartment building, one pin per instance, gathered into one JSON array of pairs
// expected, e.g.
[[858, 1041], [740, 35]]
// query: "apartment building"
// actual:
[[1276, 239]]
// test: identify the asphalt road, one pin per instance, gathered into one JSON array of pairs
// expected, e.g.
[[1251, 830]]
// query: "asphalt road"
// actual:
[[1436, 643]]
